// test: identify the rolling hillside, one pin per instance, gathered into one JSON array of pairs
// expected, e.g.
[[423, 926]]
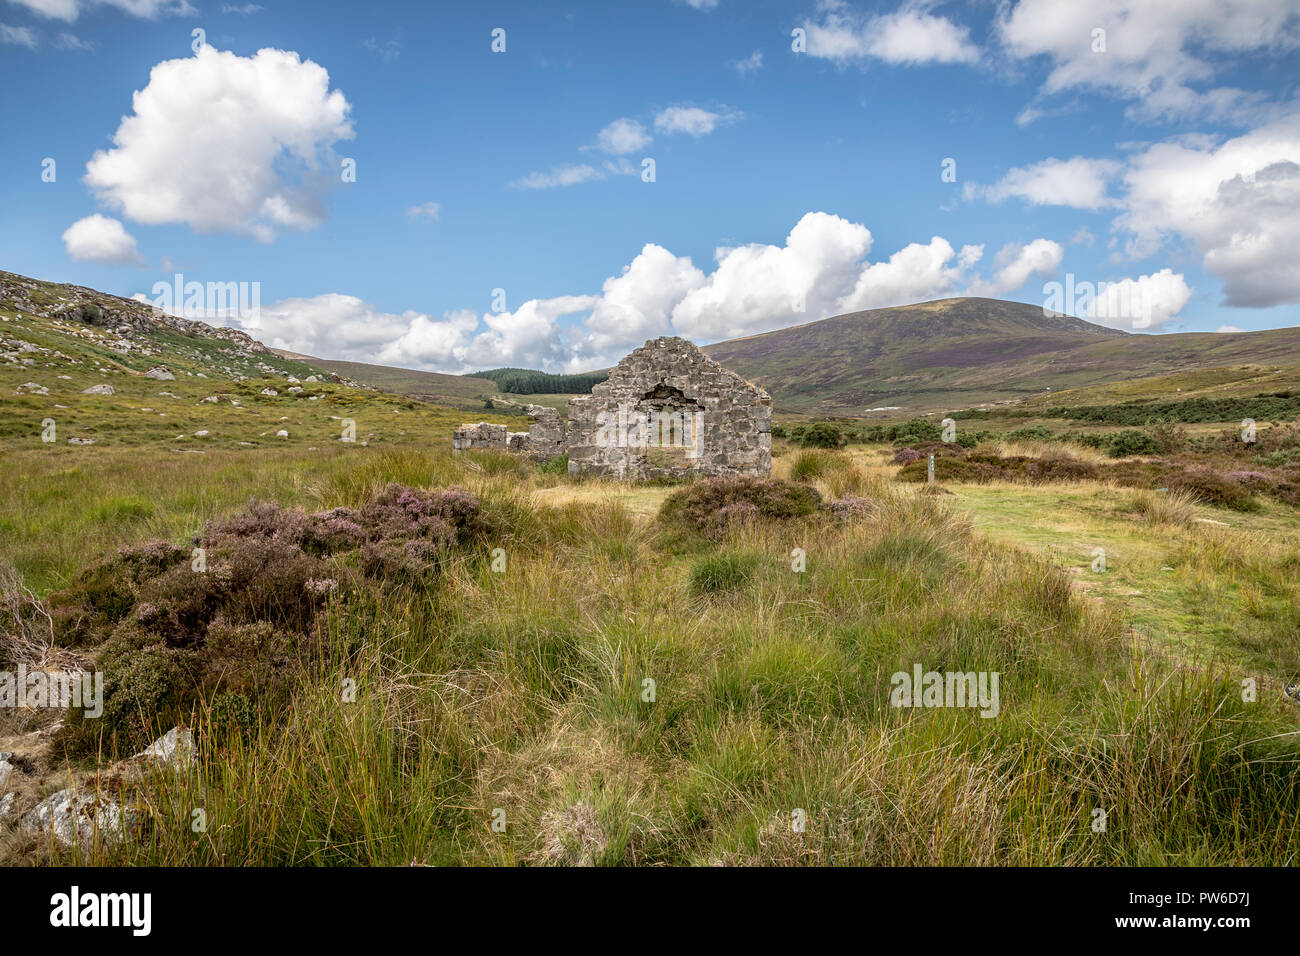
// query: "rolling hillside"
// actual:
[[960, 352], [457, 391]]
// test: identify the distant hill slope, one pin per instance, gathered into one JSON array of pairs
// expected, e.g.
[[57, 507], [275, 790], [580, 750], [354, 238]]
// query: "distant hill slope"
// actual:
[[458, 391], [955, 353]]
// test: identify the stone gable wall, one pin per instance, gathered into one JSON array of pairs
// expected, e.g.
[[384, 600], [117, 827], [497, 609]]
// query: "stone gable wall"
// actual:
[[668, 410]]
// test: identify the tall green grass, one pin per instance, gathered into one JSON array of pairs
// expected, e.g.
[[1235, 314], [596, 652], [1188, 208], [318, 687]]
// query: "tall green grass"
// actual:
[[612, 699]]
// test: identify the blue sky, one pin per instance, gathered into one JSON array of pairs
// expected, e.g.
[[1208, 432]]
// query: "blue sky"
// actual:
[[1162, 157]]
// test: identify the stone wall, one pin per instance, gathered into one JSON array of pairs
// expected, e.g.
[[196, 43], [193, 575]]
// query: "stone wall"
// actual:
[[668, 410], [543, 441]]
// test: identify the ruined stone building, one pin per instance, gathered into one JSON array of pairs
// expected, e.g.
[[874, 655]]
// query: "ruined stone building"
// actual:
[[666, 410], [543, 441]]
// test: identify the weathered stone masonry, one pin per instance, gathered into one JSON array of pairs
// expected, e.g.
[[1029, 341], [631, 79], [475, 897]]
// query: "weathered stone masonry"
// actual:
[[666, 410], [544, 439]]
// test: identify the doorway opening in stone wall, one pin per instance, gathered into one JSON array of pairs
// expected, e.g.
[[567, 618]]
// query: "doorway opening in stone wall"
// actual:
[[671, 419]]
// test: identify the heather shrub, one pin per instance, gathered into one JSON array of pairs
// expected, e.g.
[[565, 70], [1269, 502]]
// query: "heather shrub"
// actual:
[[730, 518], [960, 470], [104, 593], [696, 507], [852, 508], [241, 626], [1213, 489]]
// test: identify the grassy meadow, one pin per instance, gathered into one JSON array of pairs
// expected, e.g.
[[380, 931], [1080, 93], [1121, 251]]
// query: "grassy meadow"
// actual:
[[623, 692]]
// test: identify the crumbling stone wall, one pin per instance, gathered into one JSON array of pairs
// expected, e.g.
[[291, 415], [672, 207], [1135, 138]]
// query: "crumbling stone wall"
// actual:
[[543, 441], [668, 410]]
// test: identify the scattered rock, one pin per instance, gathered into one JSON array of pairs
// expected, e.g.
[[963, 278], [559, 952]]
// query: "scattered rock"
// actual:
[[201, 433], [75, 817], [210, 400], [160, 372], [31, 388], [6, 768], [294, 389], [282, 434], [98, 390], [270, 392], [173, 749], [81, 441]]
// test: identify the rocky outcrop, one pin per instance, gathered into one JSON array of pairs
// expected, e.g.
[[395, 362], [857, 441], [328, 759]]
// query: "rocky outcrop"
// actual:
[[84, 306], [74, 816], [104, 806]]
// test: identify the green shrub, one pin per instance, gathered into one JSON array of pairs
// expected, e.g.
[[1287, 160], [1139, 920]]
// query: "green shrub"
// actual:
[[556, 466], [1169, 438], [1032, 433], [249, 620], [1127, 443], [824, 435]]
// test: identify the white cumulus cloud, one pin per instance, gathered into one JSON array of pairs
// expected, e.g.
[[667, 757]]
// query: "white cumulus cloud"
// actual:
[[759, 287], [909, 36], [1145, 302], [1161, 54], [636, 305], [227, 143], [101, 239], [1077, 182], [821, 268], [1237, 203], [1016, 263]]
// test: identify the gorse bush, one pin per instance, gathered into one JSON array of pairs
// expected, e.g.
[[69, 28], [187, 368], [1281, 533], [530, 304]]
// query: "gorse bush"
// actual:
[[824, 435], [1126, 443]]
